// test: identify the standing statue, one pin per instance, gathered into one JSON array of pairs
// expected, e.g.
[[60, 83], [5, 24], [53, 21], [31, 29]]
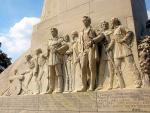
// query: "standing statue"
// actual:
[[38, 53], [67, 65], [76, 66], [122, 50], [41, 61], [43, 73], [31, 68], [88, 53], [106, 36], [55, 62]]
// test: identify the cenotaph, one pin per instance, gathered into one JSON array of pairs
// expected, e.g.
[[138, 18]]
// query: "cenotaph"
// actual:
[[86, 56]]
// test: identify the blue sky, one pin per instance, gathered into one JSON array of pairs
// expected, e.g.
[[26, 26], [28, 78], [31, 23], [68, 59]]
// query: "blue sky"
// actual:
[[148, 4], [16, 20], [11, 11]]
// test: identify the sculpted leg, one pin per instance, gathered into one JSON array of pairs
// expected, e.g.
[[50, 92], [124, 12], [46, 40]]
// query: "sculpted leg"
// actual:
[[111, 75], [101, 74], [30, 78], [66, 77], [37, 86], [60, 84], [92, 67], [146, 81], [134, 70], [51, 79], [84, 62], [72, 77], [121, 83], [58, 71], [41, 73]]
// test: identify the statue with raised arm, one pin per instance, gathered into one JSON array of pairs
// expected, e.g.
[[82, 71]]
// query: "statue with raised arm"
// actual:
[[88, 55], [122, 51], [105, 36]]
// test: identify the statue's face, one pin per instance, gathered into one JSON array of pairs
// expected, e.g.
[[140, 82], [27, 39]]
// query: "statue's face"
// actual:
[[15, 71], [54, 33], [105, 26], [74, 36], [38, 51], [86, 22], [114, 23], [66, 38], [27, 58]]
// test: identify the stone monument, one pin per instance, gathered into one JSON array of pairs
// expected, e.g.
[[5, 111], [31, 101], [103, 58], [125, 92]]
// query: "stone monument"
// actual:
[[86, 56]]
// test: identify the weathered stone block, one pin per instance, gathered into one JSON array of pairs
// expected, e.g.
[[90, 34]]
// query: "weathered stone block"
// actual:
[[116, 101]]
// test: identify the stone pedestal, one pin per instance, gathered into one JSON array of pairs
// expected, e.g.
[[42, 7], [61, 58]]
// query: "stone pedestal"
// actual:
[[116, 101]]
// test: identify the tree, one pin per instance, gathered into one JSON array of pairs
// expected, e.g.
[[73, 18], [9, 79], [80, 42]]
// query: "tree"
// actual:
[[148, 24], [4, 60]]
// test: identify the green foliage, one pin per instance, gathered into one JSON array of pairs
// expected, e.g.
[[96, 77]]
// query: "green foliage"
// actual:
[[4, 60]]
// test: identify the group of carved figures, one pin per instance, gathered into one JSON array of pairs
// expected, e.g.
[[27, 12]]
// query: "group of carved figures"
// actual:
[[72, 62]]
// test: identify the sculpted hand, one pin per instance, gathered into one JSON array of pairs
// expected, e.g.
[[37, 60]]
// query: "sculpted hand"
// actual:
[[26, 86], [68, 52], [107, 49], [36, 74], [89, 44], [48, 48], [77, 60], [122, 41], [55, 51]]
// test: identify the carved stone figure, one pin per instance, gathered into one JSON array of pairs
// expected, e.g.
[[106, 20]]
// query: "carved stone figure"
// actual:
[[40, 61], [37, 70], [72, 66], [67, 65], [144, 60], [88, 55], [31, 68], [76, 66], [55, 62], [105, 37], [122, 50], [15, 87], [43, 72]]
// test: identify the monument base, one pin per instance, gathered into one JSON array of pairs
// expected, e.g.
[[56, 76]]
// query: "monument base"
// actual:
[[115, 101]]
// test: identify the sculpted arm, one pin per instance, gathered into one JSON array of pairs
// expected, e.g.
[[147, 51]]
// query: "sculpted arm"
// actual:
[[111, 44], [69, 52], [128, 34], [57, 42], [27, 71], [99, 38]]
